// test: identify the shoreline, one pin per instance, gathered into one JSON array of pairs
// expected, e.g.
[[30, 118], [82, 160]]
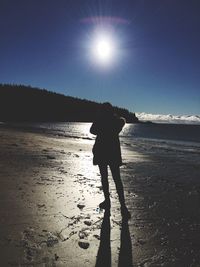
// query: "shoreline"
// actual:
[[49, 203]]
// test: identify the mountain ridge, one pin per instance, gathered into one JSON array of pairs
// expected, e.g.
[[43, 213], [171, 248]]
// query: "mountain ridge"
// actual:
[[26, 103], [169, 118]]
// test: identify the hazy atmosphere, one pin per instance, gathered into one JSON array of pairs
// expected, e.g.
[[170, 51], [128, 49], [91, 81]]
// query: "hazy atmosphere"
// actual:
[[141, 55]]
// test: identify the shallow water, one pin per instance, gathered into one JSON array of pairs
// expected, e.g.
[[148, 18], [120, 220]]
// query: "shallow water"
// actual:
[[174, 132], [173, 137]]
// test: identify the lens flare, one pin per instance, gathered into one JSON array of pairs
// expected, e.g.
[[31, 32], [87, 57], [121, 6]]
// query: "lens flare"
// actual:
[[103, 49], [104, 41]]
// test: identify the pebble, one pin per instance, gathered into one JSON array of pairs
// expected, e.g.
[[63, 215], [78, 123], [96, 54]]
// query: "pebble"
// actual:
[[88, 223], [80, 206], [84, 245]]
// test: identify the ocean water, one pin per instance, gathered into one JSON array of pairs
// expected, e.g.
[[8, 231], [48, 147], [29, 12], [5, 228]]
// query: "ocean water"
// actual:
[[160, 131], [153, 138], [147, 131]]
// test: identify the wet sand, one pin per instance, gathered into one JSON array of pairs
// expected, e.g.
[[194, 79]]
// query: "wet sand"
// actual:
[[49, 199]]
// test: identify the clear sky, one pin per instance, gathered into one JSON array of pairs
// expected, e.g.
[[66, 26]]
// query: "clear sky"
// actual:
[[155, 66]]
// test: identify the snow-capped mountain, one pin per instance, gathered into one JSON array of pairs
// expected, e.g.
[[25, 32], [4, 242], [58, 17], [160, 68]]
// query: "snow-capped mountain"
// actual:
[[187, 119]]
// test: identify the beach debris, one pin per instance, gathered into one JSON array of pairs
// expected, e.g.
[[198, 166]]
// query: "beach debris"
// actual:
[[41, 205], [56, 257], [51, 240], [84, 245], [63, 237], [14, 144], [97, 237], [88, 223], [141, 241], [50, 157], [98, 210], [66, 233], [30, 244], [82, 234], [80, 206], [153, 205], [99, 187]]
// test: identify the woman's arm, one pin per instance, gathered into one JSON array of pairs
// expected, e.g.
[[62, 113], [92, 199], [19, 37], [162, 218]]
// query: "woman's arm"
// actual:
[[93, 128], [120, 124]]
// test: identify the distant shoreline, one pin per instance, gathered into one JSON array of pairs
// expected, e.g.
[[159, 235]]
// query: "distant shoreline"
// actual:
[[172, 119]]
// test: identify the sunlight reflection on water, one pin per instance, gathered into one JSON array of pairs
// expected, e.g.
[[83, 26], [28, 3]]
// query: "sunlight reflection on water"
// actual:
[[149, 131]]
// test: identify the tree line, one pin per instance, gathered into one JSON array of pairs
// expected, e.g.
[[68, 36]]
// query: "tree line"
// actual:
[[19, 103]]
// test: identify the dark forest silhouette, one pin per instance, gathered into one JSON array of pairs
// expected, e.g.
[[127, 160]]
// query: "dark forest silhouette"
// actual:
[[19, 103]]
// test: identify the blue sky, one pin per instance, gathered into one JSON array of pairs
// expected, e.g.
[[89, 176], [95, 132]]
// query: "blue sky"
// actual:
[[45, 43]]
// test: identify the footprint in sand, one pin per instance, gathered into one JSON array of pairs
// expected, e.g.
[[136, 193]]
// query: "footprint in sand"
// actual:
[[84, 245], [88, 223], [80, 206]]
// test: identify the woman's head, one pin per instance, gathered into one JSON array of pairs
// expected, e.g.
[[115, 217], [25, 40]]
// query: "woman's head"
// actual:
[[107, 108]]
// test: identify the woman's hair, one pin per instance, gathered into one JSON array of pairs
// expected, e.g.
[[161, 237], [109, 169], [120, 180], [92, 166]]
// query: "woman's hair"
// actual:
[[107, 108]]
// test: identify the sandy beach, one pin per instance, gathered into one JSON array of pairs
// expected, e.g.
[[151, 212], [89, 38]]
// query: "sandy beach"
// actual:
[[49, 198]]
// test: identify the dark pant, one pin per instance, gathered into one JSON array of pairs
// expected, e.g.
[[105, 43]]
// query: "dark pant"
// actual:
[[117, 179]]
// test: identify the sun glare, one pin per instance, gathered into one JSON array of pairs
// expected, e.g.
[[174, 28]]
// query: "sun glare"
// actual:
[[104, 42], [103, 48]]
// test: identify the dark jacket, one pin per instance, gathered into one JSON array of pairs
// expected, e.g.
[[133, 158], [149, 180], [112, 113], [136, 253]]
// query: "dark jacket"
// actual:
[[106, 149]]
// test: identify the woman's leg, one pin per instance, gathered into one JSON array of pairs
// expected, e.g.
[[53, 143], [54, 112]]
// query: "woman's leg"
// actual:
[[119, 186], [104, 179], [120, 190]]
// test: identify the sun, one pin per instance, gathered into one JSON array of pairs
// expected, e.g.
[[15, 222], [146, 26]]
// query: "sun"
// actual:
[[103, 48], [103, 41]]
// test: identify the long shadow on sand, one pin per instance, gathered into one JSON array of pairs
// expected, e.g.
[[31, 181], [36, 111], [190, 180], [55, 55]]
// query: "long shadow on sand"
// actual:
[[104, 252], [125, 253]]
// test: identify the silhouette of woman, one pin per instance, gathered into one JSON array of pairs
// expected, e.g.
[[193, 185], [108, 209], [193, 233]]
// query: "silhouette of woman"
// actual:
[[107, 152]]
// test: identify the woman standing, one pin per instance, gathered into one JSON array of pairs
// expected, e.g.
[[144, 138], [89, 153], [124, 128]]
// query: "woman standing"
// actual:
[[107, 152]]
